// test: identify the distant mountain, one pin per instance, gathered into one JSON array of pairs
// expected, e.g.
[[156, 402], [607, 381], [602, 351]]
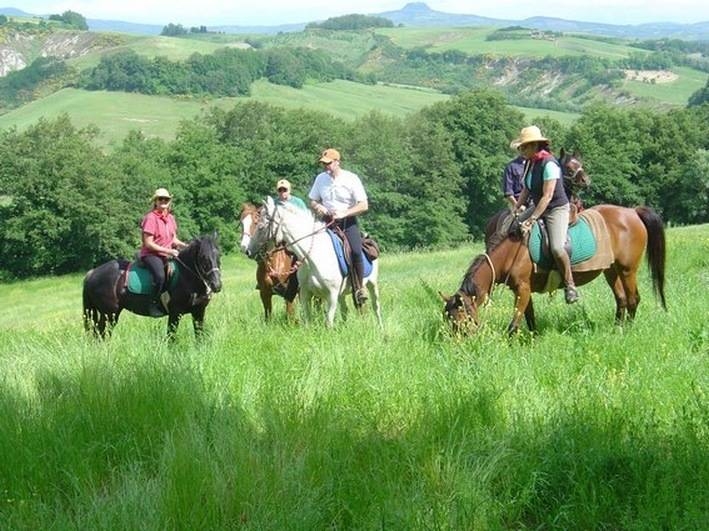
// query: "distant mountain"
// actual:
[[418, 14]]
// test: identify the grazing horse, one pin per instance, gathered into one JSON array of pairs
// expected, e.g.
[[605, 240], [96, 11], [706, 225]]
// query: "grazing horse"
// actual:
[[199, 275], [319, 274], [575, 179], [629, 232], [275, 271]]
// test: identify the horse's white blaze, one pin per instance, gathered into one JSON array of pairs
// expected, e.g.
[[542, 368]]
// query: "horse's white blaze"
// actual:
[[246, 223], [319, 275]]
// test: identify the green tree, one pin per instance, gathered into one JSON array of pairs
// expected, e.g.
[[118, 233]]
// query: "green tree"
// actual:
[[59, 212]]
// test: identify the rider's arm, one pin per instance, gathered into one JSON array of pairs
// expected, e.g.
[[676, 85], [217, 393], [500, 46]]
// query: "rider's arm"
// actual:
[[149, 243]]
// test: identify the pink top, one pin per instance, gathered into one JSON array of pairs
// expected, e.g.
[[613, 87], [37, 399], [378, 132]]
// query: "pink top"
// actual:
[[163, 229]]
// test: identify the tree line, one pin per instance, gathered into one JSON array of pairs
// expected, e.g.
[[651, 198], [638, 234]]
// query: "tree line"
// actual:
[[433, 178]]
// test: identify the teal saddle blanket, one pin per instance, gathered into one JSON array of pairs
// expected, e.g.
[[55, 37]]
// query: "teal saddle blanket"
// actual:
[[581, 240], [139, 280], [340, 252]]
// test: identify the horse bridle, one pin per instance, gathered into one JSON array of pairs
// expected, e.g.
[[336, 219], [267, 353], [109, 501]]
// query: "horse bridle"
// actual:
[[201, 275]]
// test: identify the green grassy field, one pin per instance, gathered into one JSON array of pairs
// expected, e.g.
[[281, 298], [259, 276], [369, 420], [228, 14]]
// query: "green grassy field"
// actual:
[[116, 113], [676, 92], [472, 41], [283, 426]]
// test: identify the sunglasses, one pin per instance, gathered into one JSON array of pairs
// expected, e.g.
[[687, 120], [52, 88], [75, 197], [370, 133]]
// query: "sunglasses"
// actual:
[[163, 198], [283, 189]]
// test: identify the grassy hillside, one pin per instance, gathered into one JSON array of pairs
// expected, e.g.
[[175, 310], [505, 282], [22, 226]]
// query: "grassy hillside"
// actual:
[[116, 113], [584, 426], [473, 41]]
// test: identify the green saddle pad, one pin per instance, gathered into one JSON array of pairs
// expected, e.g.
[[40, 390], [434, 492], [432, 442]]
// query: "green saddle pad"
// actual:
[[583, 245], [140, 281]]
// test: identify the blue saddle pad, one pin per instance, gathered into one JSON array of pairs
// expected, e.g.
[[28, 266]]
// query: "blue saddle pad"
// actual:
[[140, 280], [340, 252], [583, 244]]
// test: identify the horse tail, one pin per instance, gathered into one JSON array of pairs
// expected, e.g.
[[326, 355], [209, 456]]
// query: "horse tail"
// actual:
[[656, 249], [89, 310]]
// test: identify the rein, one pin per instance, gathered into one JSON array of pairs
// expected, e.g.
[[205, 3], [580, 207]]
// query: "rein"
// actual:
[[198, 274]]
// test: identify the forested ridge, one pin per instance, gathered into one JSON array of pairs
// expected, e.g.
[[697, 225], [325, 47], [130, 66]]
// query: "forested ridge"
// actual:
[[432, 178]]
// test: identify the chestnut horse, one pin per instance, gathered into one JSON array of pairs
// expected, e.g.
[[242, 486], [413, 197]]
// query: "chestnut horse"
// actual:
[[631, 231], [275, 269], [575, 179]]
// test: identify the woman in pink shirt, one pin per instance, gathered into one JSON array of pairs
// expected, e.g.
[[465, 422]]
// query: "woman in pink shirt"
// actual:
[[160, 241]]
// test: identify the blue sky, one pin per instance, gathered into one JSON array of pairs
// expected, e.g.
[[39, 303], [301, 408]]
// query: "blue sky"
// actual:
[[273, 12]]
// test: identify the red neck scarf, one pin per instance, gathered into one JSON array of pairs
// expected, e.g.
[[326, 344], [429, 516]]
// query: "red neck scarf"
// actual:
[[162, 214], [540, 155]]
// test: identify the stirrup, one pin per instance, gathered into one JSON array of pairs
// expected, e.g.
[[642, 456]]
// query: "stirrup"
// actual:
[[165, 300], [361, 296], [571, 295]]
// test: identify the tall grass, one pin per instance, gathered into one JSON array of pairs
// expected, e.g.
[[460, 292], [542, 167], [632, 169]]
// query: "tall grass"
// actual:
[[285, 426]]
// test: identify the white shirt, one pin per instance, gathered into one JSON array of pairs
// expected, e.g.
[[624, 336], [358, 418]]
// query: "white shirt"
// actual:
[[339, 193]]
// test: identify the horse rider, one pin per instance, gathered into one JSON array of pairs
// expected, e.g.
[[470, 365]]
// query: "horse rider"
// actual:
[[160, 241], [285, 197], [338, 195], [512, 180], [543, 183]]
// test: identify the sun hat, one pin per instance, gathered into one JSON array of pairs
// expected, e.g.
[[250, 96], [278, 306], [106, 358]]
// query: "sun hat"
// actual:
[[527, 135], [161, 192], [329, 155], [283, 183]]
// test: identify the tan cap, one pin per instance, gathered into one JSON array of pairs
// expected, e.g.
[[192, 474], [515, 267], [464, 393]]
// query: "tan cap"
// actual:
[[283, 183], [527, 135], [161, 192], [329, 155]]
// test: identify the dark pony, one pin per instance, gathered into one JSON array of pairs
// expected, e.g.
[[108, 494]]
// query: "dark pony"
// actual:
[[275, 268], [105, 295], [630, 231], [575, 179]]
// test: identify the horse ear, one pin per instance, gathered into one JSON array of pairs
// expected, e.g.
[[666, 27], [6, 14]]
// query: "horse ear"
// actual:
[[215, 235], [562, 153], [577, 154], [443, 297]]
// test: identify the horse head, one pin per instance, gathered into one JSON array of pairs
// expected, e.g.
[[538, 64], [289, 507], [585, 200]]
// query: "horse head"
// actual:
[[461, 312], [205, 258], [248, 219], [266, 229], [575, 177]]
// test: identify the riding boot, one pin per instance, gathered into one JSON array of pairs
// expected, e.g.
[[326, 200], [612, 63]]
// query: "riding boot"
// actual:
[[359, 294], [564, 264]]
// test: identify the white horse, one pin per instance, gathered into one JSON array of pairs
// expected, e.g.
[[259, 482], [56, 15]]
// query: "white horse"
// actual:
[[319, 273]]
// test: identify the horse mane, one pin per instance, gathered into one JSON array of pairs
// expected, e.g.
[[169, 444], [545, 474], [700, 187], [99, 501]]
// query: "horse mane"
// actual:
[[468, 285]]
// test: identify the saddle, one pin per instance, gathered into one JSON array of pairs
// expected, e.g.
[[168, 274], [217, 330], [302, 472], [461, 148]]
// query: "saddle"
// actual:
[[580, 244], [342, 250], [137, 279]]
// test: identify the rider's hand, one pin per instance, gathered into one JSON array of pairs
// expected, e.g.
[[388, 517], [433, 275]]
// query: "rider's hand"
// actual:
[[173, 252]]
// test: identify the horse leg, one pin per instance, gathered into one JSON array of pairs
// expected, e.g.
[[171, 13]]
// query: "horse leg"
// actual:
[[632, 297], [529, 316], [376, 303], [198, 321], [331, 309], [614, 281], [173, 321], [523, 300], [266, 294], [344, 309], [306, 298]]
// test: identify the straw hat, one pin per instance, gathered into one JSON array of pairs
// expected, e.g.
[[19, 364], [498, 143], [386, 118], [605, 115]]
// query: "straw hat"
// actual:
[[161, 192], [527, 135]]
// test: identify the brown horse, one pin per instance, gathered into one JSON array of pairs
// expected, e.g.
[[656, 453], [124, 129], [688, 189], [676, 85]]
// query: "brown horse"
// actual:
[[575, 179], [630, 232], [275, 270]]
